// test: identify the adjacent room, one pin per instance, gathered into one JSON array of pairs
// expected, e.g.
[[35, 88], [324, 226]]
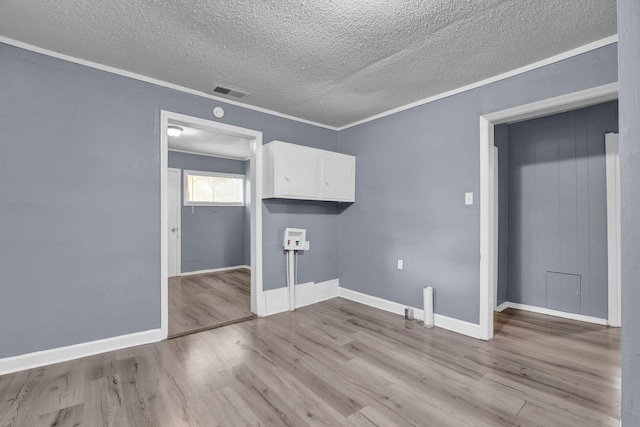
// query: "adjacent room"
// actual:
[[345, 213], [209, 239]]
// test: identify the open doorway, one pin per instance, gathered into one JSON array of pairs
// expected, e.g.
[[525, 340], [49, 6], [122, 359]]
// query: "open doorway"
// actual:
[[488, 187], [211, 224], [553, 212]]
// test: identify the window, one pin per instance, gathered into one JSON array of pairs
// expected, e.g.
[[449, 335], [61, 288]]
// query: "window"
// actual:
[[213, 189]]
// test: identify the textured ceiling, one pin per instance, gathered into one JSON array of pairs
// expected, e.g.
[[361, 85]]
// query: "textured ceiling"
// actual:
[[208, 143], [330, 61]]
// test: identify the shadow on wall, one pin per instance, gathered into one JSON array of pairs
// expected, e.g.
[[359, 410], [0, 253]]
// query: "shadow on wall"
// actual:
[[307, 207], [344, 206]]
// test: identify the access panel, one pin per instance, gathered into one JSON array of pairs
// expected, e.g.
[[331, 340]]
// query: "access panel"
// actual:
[[563, 291]]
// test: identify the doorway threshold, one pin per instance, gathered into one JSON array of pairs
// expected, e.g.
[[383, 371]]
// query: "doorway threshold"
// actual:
[[217, 325]]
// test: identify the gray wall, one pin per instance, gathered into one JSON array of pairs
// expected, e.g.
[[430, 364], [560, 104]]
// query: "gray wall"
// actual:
[[316, 218], [555, 227], [629, 45], [211, 236], [413, 170], [80, 246]]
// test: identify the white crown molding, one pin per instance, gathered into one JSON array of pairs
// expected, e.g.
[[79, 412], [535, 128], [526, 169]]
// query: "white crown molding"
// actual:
[[157, 82], [76, 351], [548, 61]]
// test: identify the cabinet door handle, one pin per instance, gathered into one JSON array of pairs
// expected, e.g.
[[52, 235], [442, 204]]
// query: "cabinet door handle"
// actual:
[[326, 183], [286, 179]]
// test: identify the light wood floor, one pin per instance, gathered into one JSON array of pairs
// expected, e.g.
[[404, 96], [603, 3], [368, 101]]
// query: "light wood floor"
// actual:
[[335, 363], [205, 301]]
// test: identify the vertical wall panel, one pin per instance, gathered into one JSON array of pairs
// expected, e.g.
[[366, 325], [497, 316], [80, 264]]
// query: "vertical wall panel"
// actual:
[[556, 210], [596, 125], [501, 138], [567, 194], [544, 201], [582, 198]]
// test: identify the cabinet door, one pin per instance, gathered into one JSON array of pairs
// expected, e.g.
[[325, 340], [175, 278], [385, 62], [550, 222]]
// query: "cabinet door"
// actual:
[[299, 172], [338, 178]]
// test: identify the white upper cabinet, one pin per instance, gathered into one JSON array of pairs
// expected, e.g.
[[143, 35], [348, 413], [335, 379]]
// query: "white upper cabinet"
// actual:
[[338, 177], [297, 172]]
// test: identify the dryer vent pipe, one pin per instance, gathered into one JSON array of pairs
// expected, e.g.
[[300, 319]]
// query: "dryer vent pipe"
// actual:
[[428, 306]]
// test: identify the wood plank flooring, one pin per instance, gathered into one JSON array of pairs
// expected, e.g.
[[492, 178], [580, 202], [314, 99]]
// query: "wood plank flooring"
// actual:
[[336, 363], [205, 301]]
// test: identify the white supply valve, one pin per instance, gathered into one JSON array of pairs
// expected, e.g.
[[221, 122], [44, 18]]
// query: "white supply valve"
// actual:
[[295, 239]]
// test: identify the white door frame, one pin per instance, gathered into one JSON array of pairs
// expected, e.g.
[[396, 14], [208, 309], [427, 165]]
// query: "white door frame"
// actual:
[[179, 240], [488, 194], [495, 214], [612, 150], [257, 296]]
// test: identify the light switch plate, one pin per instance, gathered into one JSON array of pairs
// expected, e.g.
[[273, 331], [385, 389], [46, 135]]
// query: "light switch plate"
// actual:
[[400, 264], [468, 199]]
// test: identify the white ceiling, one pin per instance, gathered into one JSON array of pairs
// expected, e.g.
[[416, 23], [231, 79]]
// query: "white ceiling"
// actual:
[[208, 143], [333, 62]]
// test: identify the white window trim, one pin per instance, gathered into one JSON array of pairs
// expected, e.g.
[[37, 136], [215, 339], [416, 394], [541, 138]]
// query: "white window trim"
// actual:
[[186, 172]]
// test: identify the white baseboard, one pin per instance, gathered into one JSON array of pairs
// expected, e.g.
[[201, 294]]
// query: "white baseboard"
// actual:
[[456, 325], [444, 322], [550, 312], [213, 270], [311, 293], [76, 351], [277, 300], [502, 307], [382, 304]]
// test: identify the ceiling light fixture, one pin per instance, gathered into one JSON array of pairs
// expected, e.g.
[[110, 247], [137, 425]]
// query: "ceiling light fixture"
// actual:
[[174, 130]]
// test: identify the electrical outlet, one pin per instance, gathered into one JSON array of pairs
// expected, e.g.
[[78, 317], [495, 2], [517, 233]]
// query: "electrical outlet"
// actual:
[[400, 264], [468, 199]]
